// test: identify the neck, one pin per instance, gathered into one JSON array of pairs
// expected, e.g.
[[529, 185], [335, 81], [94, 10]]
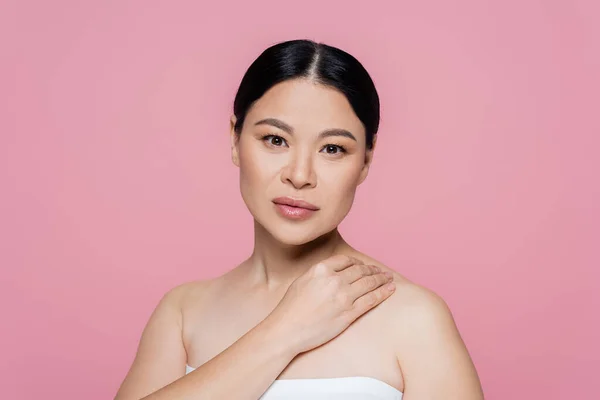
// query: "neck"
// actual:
[[275, 265]]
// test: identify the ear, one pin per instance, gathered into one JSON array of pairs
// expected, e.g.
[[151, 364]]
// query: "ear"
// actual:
[[368, 160], [235, 138]]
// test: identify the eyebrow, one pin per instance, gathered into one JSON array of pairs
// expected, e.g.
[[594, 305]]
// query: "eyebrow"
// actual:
[[287, 128]]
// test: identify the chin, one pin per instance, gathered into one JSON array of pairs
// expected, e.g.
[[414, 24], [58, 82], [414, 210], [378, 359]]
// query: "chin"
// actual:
[[294, 233], [297, 234], [294, 237]]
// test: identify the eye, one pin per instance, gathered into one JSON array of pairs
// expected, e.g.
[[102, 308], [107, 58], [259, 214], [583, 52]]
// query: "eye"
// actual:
[[334, 147], [273, 140], [278, 141]]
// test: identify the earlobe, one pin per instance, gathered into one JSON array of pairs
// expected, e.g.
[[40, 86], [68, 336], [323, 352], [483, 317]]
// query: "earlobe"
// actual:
[[365, 169], [363, 174], [234, 157], [234, 141], [368, 160]]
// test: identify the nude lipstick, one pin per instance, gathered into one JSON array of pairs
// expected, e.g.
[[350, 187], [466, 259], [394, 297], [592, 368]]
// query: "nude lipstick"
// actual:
[[293, 208]]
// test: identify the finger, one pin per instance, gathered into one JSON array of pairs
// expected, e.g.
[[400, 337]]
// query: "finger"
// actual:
[[372, 299], [368, 283], [357, 271], [342, 261]]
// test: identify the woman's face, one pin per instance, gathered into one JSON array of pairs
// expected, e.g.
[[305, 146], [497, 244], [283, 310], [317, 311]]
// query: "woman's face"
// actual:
[[284, 150]]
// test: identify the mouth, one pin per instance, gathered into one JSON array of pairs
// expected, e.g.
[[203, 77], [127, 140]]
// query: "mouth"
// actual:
[[294, 209], [301, 204]]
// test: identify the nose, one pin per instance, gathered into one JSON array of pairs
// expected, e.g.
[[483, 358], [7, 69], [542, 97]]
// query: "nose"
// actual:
[[299, 171]]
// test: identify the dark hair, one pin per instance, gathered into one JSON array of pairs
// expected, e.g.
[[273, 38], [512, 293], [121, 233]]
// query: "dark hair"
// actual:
[[324, 64]]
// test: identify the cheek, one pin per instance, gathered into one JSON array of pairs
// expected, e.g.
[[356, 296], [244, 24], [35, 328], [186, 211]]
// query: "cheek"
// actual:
[[249, 178], [256, 175], [341, 188], [346, 193], [254, 168]]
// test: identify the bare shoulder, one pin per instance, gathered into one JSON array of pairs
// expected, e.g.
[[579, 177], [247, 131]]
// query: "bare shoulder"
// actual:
[[161, 354], [410, 302], [410, 299], [430, 351], [432, 355], [177, 296], [191, 291], [201, 294], [185, 298], [412, 305], [194, 296], [196, 299]]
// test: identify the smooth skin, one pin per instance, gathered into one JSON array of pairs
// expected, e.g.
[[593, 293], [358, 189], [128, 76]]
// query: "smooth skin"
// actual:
[[293, 309]]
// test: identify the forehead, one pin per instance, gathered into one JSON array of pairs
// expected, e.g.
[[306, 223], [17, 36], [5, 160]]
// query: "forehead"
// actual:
[[306, 104]]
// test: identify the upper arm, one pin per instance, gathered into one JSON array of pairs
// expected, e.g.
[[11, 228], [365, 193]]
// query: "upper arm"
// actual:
[[160, 358], [433, 358]]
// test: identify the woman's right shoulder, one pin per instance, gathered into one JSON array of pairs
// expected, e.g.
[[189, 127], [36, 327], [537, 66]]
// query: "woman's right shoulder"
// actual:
[[190, 291], [192, 296], [193, 300]]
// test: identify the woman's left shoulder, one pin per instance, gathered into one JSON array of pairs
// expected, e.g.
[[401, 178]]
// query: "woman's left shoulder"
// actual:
[[425, 339], [410, 299]]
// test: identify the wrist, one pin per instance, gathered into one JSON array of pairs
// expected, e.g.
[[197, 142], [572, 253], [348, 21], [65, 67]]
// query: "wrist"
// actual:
[[285, 343]]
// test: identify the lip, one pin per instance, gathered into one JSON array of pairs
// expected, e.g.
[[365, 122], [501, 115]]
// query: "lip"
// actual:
[[288, 201], [293, 213], [294, 209]]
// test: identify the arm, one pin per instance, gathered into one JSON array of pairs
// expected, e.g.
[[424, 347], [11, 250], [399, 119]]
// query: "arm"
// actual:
[[242, 371], [433, 358]]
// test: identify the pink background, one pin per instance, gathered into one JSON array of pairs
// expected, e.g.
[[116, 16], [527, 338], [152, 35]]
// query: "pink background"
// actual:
[[117, 182]]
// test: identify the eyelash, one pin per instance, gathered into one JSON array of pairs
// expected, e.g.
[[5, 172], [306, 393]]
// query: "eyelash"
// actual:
[[342, 149]]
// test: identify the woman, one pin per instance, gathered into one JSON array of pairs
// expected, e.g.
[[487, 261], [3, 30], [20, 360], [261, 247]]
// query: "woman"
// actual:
[[306, 314]]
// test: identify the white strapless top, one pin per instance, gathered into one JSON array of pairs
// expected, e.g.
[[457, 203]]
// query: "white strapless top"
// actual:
[[346, 388]]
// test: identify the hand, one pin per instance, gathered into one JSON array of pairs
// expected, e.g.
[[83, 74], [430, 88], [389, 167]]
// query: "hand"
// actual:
[[327, 298]]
